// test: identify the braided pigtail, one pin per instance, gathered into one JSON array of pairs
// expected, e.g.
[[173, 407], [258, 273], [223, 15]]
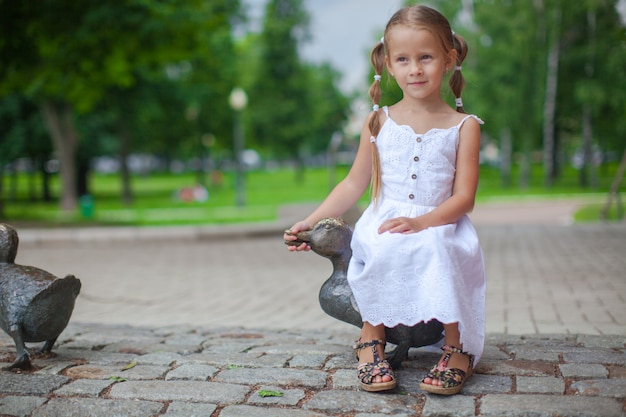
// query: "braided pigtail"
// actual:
[[378, 62], [457, 82]]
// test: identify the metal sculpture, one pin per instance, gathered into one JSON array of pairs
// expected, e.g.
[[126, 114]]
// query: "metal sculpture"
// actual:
[[35, 306]]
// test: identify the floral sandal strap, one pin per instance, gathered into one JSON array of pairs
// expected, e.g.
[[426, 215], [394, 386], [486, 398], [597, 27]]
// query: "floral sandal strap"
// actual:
[[380, 367], [450, 377], [372, 343]]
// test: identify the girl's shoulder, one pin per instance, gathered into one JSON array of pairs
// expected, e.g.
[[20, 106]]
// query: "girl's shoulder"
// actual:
[[464, 118]]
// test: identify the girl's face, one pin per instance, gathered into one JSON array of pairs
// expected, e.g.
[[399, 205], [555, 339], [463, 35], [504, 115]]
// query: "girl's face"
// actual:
[[417, 61]]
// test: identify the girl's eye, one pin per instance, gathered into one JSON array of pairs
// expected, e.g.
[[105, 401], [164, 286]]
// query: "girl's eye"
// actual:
[[426, 57], [402, 59]]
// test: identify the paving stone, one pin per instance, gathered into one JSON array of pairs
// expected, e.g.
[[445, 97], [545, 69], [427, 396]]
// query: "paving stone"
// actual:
[[345, 360], [454, 406], [187, 340], [583, 370], [81, 407], [548, 406], [606, 341], [516, 367], [208, 392], [238, 359], [52, 368], [191, 372], [601, 387], [250, 411], [159, 358], [336, 402], [288, 397], [539, 385], [382, 415], [345, 379], [186, 409], [84, 388], [93, 357], [535, 354], [296, 349], [274, 376], [314, 361], [137, 372], [598, 355], [21, 406], [487, 384], [24, 384]]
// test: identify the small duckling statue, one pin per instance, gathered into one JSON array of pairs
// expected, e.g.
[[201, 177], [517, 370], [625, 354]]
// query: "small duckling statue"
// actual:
[[35, 306], [331, 238]]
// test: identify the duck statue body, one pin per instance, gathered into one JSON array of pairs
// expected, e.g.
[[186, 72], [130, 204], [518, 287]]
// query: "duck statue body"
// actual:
[[35, 306], [331, 238]]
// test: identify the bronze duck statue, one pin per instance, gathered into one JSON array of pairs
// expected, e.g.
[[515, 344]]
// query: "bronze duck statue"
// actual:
[[331, 238], [35, 306]]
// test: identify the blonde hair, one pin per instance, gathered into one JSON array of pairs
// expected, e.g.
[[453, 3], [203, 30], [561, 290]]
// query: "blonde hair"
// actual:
[[417, 16]]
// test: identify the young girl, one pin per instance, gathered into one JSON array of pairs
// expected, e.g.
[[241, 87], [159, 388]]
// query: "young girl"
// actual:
[[416, 256]]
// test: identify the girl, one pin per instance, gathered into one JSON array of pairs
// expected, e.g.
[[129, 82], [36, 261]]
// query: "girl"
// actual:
[[416, 255]]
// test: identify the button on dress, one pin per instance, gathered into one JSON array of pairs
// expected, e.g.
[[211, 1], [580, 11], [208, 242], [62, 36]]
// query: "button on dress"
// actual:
[[437, 273]]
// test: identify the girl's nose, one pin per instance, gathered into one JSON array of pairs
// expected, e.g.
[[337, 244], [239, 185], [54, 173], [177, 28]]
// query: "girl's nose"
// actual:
[[416, 69]]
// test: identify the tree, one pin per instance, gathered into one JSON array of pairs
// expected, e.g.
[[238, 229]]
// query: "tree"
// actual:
[[278, 98], [67, 55], [295, 106], [592, 100], [547, 77]]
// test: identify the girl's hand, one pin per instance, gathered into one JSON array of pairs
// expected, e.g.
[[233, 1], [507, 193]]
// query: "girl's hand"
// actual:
[[290, 237], [401, 225]]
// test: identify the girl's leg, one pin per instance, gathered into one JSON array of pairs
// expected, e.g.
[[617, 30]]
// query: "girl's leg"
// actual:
[[368, 333], [458, 361]]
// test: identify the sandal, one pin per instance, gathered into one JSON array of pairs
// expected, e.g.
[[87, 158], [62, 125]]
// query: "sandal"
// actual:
[[452, 379], [369, 370]]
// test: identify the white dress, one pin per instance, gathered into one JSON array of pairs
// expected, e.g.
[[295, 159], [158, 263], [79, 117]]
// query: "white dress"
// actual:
[[437, 273]]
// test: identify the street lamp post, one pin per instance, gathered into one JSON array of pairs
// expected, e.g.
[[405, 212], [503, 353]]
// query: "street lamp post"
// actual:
[[238, 101]]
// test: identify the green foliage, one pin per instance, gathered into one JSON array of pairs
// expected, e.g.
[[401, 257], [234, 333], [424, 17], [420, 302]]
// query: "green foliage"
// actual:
[[270, 393], [294, 107], [131, 68], [75, 51]]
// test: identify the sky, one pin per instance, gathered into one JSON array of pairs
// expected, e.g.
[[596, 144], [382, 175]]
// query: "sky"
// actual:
[[342, 33]]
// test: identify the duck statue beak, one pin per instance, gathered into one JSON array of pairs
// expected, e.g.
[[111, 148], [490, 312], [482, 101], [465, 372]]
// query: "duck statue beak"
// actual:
[[301, 237]]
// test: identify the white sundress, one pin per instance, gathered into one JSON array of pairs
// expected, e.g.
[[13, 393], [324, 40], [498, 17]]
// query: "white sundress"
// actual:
[[437, 273]]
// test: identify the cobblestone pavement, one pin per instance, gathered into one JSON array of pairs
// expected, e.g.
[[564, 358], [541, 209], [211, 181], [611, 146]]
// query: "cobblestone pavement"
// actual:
[[210, 333]]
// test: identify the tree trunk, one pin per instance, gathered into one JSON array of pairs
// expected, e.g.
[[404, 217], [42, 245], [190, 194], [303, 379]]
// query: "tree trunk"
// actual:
[[506, 151], [46, 194], [58, 117], [549, 105], [127, 193], [614, 191], [588, 175]]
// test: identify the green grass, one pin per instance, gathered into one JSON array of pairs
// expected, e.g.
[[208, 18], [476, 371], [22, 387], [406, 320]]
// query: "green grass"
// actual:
[[266, 192]]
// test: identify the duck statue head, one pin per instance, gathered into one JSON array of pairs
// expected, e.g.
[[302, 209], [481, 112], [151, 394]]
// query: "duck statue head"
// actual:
[[35, 306], [330, 238]]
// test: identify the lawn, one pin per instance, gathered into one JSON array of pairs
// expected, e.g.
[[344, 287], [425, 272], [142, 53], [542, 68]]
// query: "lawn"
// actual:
[[157, 197]]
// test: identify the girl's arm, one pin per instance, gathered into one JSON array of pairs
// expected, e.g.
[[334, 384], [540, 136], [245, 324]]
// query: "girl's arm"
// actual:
[[345, 194], [464, 189]]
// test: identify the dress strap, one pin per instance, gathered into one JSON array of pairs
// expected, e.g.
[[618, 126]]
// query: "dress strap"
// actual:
[[472, 116], [386, 110]]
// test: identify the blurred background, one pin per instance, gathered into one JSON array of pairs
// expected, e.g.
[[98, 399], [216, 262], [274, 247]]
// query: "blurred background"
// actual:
[[135, 112]]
